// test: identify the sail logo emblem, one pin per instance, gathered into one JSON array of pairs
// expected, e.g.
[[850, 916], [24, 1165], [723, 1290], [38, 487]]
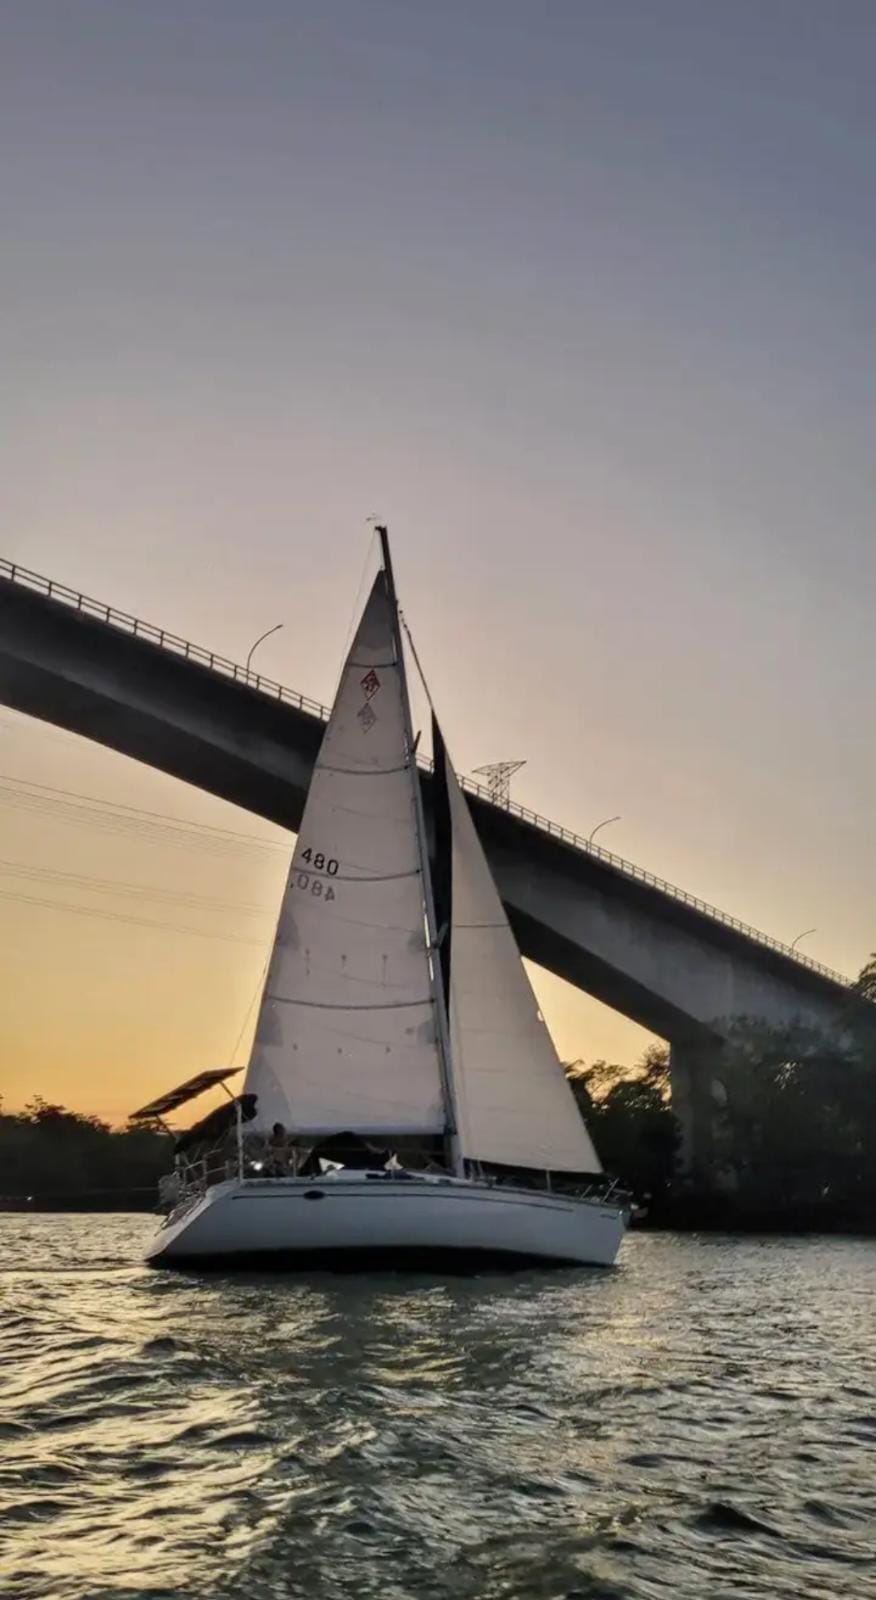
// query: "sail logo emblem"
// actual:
[[369, 684], [366, 718]]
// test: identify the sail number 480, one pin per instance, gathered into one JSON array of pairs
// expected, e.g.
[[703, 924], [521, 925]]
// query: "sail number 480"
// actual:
[[319, 862]]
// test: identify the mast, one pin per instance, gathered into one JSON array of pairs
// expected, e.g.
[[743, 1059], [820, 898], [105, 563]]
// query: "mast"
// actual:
[[438, 995]]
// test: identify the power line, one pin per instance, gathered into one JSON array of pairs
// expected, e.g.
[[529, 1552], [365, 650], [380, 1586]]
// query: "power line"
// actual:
[[140, 811], [68, 806], [135, 891], [119, 916]]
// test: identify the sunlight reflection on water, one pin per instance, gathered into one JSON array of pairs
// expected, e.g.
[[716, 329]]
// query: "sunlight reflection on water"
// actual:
[[700, 1422]]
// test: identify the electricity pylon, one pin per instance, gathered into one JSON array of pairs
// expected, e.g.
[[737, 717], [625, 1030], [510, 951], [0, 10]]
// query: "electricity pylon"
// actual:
[[498, 775]]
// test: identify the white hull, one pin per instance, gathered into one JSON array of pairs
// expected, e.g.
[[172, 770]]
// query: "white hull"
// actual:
[[280, 1217]]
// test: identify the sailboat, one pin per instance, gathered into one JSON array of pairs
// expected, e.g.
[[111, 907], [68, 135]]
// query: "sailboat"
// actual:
[[403, 1096]]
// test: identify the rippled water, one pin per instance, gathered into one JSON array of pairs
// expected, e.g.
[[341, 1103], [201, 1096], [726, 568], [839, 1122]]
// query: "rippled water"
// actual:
[[700, 1422]]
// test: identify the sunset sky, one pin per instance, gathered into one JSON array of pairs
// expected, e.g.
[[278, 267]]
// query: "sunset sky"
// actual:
[[579, 297]]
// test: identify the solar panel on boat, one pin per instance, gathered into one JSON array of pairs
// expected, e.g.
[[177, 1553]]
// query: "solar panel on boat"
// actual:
[[182, 1093]]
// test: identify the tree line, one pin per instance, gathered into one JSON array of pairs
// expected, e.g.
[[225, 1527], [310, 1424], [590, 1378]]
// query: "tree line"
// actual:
[[52, 1159]]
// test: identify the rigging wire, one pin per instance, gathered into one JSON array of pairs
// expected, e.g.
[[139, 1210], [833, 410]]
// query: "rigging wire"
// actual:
[[356, 610], [249, 1010], [413, 649]]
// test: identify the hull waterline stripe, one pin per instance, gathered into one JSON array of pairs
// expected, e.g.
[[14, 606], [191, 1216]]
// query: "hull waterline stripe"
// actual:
[[377, 1188], [470, 1199]]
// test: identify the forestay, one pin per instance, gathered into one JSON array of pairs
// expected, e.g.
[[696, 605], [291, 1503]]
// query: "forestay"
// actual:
[[513, 1101], [346, 1035]]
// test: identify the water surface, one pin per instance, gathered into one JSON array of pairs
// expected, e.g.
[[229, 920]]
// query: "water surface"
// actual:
[[699, 1423]]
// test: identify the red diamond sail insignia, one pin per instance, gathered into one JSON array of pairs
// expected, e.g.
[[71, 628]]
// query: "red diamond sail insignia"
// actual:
[[369, 684]]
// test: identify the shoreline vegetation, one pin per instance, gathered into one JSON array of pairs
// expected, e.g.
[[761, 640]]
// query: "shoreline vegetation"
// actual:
[[792, 1133], [793, 1136]]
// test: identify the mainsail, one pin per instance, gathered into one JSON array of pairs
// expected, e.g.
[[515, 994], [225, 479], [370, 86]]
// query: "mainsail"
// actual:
[[514, 1104], [347, 1035]]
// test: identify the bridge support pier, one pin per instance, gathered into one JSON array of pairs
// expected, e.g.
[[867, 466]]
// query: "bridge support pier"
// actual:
[[698, 1097]]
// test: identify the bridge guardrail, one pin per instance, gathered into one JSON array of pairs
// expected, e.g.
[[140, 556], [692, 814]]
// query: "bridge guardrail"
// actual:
[[160, 636], [114, 618]]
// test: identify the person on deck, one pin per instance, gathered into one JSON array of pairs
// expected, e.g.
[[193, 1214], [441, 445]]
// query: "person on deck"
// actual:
[[278, 1152]]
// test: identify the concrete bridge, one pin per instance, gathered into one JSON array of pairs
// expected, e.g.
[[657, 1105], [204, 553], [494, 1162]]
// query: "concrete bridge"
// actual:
[[651, 951]]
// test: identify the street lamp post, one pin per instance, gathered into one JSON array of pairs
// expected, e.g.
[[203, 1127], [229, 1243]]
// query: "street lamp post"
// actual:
[[260, 640], [804, 935], [599, 825]]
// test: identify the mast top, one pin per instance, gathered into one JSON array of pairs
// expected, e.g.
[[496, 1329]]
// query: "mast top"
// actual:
[[382, 532]]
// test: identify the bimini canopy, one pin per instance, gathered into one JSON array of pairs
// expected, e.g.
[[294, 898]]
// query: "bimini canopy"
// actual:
[[183, 1093]]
